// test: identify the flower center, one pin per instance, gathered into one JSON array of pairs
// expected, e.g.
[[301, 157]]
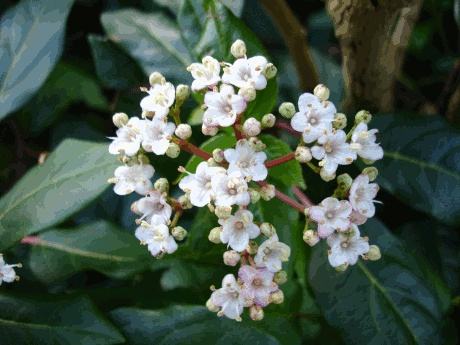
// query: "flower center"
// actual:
[[257, 282], [267, 251], [329, 215], [228, 109], [239, 225], [328, 147], [243, 164], [345, 244], [313, 120]]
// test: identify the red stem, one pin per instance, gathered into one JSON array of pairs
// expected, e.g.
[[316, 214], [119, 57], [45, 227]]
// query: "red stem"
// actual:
[[302, 197], [280, 160], [286, 199], [190, 148], [287, 127], [237, 127], [33, 240]]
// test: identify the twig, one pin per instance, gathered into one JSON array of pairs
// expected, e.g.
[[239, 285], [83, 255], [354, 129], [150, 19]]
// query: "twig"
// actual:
[[305, 200], [287, 127], [295, 38], [190, 148], [280, 160], [286, 199]]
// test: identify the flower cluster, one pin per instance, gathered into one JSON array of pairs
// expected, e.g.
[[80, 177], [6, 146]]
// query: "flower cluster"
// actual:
[[229, 180], [7, 273]]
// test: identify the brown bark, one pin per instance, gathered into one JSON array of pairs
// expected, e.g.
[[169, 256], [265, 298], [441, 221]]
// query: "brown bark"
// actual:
[[373, 35]]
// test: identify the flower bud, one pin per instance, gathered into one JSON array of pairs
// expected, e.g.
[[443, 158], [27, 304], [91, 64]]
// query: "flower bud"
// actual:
[[344, 182], [270, 71], [161, 185], [322, 92], [173, 150], [120, 119], [255, 195], [257, 144], [223, 212], [267, 192], [325, 176], [214, 235], [252, 248], [209, 130], [277, 297], [310, 237], [156, 78], [280, 277], [256, 313], [267, 229], [218, 155], [211, 307], [147, 114], [212, 162], [341, 268], [363, 116], [184, 201], [238, 49], [268, 121], [251, 127], [372, 172], [183, 131], [143, 159], [182, 93], [287, 109], [374, 253], [248, 93], [340, 121], [367, 161], [179, 233], [231, 257], [303, 154]]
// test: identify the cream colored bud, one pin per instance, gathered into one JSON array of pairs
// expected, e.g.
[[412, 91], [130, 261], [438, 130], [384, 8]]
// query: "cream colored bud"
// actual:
[[310, 237], [251, 127], [183, 131], [344, 182], [277, 297], [223, 212], [270, 70], [322, 92], [161, 185], [267, 229], [287, 110], [256, 313], [252, 247], [325, 176], [182, 93], [257, 144], [363, 116], [280, 277], [173, 150], [147, 114], [179, 233], [120, 119], [231, 257], [255, 195], [212, 162], [156, 78], [303, 154], [267, 192], [143, 158], [209, 130], [211, 307], [238, 49], [184, 201], [340, 121], [214, 235], [372, 172], [374, 253], [268, 121], [248, 93], [218, 155]]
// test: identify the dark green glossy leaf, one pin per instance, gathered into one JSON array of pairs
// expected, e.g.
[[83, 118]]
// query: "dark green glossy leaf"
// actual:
[[190, 325], [51, 320], [58, 253], [421, 165], [73, 175], [31, 35], [385, 302]]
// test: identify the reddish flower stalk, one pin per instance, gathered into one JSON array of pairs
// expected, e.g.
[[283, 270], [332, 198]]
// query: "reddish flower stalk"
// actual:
[[33, 240], [280, 160], [286, 199], [237, 128], [305, 200], [287, 127], [190, 148]]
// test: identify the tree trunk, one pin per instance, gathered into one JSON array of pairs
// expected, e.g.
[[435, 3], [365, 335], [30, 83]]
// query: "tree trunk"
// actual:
[[373, 35]]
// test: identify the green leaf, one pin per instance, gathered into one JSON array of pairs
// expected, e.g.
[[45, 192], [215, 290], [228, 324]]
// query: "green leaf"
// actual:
[[457, 12], [421, 165], [73, 175], [330, 74], [265, 101], [59, 253], [190, 325], [31, 37], [51, 320], [383, 302], [151, 39], [288, 174], [115, 68]]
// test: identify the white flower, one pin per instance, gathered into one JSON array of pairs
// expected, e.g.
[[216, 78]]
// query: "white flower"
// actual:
[[345, 248], [222, 107], [156, 236], [272, 253], [7, 273], [128, 139], [331, 215], [247, 73], [246, 161], [363, 142], [362, 194], [230, 189], [156, 135], [229, 298], [154, 204], [334, 151], [199, 184], [238, 229], [314, 117], [134, 178], [161, 97], [257, 284], [206, 74]]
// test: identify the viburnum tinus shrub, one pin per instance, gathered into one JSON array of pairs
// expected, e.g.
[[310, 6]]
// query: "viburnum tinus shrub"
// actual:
[[228, 180]]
